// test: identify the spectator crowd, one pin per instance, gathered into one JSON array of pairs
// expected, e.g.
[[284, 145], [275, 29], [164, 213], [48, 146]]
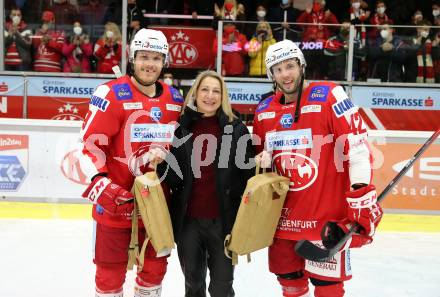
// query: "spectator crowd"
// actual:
[[84, 36]]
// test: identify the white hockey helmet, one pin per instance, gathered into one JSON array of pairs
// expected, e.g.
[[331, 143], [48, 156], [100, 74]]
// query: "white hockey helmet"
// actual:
[[149, 40], [281, 51]]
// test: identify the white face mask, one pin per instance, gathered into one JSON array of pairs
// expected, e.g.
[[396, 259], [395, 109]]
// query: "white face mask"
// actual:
[[384, 34], [356, 5], [261, 13], [380, 10], [16, 19], [284, 2], [168, 81], [109, 34], [424, 34], [436, 12], [77, 30]]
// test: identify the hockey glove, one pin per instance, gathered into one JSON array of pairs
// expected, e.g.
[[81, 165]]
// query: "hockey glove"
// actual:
[[364, 209], [113, 198], [332, 232]]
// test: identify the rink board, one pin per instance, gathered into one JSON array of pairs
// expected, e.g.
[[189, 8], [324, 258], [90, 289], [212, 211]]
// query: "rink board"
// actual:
[[39, 163]]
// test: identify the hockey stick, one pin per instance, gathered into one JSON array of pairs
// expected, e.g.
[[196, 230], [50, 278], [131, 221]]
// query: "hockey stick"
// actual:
[[309, 251]]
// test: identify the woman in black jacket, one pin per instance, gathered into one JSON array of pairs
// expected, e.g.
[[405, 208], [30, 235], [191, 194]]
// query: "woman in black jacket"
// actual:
[[208, 166]]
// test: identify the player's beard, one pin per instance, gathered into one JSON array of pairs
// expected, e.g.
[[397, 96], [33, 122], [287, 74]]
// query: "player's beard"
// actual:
[[145, 83], [292, 91]]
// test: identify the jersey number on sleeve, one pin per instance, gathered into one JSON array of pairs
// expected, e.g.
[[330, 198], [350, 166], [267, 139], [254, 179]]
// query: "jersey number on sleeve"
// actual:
[[357, 124]]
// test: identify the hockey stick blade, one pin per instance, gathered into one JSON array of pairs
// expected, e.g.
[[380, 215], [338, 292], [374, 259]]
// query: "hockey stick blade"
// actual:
[[309, 251]]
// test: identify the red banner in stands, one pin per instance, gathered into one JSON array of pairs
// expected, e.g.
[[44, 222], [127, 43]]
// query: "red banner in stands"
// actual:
[[190, 47]]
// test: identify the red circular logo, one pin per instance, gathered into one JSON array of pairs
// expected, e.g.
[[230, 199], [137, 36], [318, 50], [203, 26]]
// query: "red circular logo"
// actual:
[[182, 53], [300, 169]]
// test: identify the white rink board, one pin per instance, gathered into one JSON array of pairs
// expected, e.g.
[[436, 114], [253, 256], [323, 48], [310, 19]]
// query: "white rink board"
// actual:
[[52, 174], [49, 161]]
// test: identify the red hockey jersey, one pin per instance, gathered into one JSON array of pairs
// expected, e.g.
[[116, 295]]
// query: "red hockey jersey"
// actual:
[[323, 153], [48, 56], [118, 130]]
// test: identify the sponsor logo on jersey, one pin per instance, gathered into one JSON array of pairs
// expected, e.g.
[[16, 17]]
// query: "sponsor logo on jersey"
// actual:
[[152, 133], [342, 107], [156, 114], [300, 169], [289, 140], [177, 97], [132, 105], [99, 209], [266, 115], [319, 93], [99, 102], [122, 91], [264, 104], [286, 120], [174, 107], [310, 108]]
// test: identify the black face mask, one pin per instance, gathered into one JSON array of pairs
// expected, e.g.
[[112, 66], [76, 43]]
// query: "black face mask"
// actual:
[[262, 32]]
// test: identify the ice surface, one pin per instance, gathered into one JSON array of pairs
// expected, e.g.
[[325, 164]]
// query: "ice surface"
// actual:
[[52, 258]]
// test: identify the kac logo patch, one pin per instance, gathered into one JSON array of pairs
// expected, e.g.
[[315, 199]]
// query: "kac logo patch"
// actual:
[[319, 93], [155, 114], [286, 120], [122, 91]]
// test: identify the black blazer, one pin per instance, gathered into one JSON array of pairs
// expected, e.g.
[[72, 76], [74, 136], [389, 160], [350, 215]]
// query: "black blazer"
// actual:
[[230, 180]]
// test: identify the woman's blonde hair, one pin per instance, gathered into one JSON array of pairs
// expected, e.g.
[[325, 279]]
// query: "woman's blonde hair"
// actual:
[[191, 96], [110, 26], [267, 25]]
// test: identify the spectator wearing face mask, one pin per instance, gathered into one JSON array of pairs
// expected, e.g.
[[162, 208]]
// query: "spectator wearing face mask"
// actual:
[[388, 55], [77, 51], [379, 18], [17, 44], [48, 44], [282, 11], [169, 80], [359, 15], [257, 48], [231, 11], [259, 16], [423, 52], [108, 48], [315, 14], [65, 12], [436, 13], [233, 51]]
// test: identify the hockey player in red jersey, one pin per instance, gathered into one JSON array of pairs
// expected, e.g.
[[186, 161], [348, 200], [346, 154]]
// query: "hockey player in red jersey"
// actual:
[[314, 135], [128, 119]]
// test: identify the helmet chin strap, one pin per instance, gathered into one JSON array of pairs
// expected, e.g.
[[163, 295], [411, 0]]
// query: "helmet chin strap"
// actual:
[[298, 100]]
